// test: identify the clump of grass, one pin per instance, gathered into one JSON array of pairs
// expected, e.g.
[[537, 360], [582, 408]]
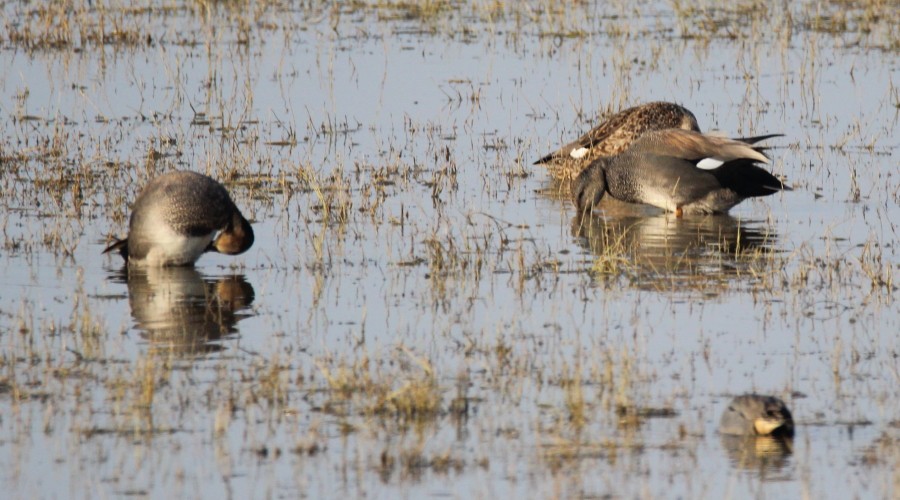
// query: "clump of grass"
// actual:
[[884, 449], [335, 204], [273, 386], [132, 394], [413, 399], [878, 270], [417, 397], [610, 246], [414, 462], [312, 443], [146, 382], [411, 395], [561, 453], [59, 25], [456, 261], [575, 403], [427, 11]]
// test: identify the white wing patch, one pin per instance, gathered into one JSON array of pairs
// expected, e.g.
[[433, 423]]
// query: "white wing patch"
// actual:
[[578, 153], [709, 163]]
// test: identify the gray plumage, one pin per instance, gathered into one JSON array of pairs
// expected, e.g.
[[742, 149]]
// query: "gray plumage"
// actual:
[[756, 415], [175, 218], [661, 169]]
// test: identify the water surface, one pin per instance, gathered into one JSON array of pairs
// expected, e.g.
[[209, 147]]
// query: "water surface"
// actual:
[[421, 313]]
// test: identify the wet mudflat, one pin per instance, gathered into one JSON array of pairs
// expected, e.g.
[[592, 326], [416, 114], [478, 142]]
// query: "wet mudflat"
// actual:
[[422, 314]]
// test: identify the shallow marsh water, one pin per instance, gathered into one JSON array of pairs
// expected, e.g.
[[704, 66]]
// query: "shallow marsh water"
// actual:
[[420, 314]]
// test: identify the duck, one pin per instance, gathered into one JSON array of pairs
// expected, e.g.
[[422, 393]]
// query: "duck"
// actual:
[[757, 415], [615, 135], [178, 217], [680, 171]]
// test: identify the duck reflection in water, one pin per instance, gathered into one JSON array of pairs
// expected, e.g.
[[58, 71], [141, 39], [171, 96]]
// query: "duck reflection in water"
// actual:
[[656, 249], [766, 455], [180, 311]]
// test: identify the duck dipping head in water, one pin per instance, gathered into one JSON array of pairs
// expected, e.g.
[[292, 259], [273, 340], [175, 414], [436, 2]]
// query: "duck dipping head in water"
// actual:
[[680, 171], [179, 216], [756, 415]]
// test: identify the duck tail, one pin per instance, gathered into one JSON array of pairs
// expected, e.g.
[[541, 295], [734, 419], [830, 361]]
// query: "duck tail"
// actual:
[[757, 138], [749, 180], [118, 245]]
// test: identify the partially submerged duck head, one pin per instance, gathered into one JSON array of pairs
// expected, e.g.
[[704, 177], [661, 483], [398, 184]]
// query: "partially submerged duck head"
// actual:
[[235, 239], [756, 415]]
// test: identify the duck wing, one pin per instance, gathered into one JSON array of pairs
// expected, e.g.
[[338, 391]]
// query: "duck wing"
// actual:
[[618, 132]]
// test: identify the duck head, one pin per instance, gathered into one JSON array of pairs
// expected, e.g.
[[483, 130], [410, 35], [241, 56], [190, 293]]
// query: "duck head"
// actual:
[[775, 419], [236, 238], [590, 186]]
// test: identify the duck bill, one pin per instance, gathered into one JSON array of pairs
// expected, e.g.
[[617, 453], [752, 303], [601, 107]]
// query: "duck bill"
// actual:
[[765, 427]]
